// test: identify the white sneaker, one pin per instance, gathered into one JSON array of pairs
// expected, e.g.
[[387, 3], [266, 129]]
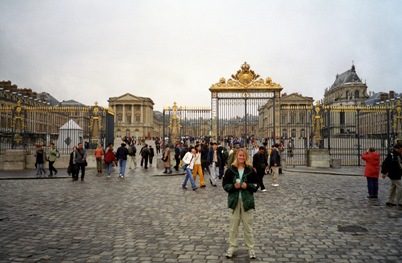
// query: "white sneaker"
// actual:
[[264, 190], [276, 184], [230, 253], [251, 253]]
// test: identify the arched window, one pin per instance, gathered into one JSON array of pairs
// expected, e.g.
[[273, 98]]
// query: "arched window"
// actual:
[[356, 94], [128, 132], [285, 133], [118, 133], [302, 133], [293, 133]]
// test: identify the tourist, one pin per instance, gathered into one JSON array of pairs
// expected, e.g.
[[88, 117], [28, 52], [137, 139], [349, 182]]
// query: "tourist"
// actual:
[[254, 150], [177, 150], [98, 155], [144, 156], [110, 158], [132, 150], [188, 165], [260, 163], [197, 168], [214, 160], [224, 154], [166, 160], [240, 182], [144, 148], [372, 171], [275, 164], [151, 154], [40, 158], [73, 169], [158, 145], [204, 158], [232, 154], [121, 155], [392, 168], [53, 155], [81, 160]]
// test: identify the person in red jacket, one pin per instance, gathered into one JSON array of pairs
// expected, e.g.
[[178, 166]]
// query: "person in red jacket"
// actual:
[[372, 171]]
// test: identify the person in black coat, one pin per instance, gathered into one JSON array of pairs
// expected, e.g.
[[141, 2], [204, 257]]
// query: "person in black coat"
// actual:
[[392, 168], [260, 163], [73, 168], [144, 156], [151, 154], [121, 156], [275, 163]]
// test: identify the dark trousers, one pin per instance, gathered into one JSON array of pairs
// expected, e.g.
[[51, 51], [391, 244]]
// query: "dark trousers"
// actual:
[[260, 175], [51, 168], [75, 171], [150, 160], [372, 185], [176, 167], [82, 167], [221, 170], [144, 161]]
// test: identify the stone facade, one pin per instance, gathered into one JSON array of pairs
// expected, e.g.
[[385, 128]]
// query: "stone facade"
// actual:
[[289, 116], [134, 116]]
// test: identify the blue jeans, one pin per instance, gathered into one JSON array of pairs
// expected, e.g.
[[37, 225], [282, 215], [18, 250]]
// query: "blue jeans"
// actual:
[[372, 185], [122, 164], [109, 168], [189, 175]]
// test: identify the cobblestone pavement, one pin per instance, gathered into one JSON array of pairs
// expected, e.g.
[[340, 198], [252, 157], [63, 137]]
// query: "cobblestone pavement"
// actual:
[[147, 218]]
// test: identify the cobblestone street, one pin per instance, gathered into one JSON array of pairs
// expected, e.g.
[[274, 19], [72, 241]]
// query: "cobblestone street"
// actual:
[[147, 217]]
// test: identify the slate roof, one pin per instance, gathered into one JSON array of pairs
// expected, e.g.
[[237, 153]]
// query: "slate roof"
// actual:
[[48, 98], [348, 76], [71, 103], [376, 98]]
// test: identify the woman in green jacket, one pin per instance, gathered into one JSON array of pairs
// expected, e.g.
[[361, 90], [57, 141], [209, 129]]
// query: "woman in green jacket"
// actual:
[[240, 181]]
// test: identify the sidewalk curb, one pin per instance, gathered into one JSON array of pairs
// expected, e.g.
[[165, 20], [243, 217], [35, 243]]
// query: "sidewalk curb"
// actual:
[[321, 172]]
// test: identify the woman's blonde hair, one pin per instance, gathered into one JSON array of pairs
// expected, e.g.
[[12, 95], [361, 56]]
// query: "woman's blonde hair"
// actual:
[[246, 162], [99, 146]]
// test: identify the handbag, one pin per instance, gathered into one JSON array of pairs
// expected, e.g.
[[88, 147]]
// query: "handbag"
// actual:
[[85, 163]]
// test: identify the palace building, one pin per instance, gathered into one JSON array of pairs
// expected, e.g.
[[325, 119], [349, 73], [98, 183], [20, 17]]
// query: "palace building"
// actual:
[[134, 116]]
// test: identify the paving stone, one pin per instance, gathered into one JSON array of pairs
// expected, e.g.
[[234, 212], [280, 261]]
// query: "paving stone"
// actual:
[[146, 217]]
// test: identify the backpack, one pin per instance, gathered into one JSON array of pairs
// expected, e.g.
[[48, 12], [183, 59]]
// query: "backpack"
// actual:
[[57, 154], [130, 150], [145, 152]]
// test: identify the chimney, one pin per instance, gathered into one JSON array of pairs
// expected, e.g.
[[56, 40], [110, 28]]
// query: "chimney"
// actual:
[[391, 94], [384, 96]]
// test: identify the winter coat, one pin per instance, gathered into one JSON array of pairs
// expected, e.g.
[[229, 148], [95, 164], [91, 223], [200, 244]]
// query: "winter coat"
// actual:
[[110, 157], [392, 166], [275, 158], [53, 155], [122, 153], [166, 153], [210, 157], [249, 177], [40, 156], [372, 169]]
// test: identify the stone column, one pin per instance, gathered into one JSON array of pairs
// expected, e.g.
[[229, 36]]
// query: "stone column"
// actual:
[[124, 114], [132, 114], [142, 114]]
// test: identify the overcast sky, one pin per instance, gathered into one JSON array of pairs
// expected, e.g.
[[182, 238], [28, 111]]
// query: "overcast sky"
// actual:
[[91, 50]]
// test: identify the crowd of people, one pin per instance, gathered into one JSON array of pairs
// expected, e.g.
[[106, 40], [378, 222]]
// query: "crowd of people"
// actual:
[[241, 175]]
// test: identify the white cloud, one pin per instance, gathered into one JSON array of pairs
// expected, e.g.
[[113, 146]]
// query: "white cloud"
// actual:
[[175, 50]]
